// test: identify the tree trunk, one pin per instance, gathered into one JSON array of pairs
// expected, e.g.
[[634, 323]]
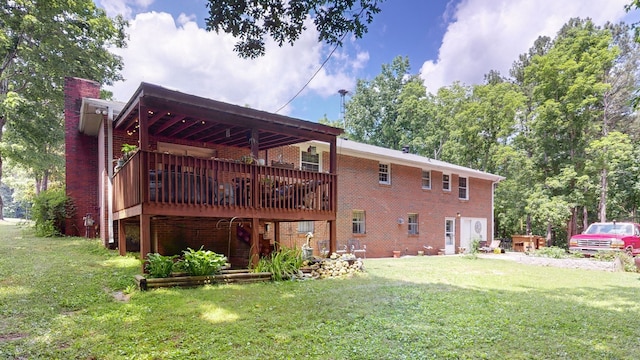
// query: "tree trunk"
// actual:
[[585, 218], [528, 224], [602, 207], [2, 122], [549, 233]]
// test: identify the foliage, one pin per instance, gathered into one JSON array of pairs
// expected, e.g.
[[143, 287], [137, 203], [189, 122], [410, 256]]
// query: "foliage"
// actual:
[[202, 262], [284, 21], [50, 210], [282, 264], [40, 45], [627, 260], [159, 266], [550, 252], [379, 111], [73, 295], [127, 148]]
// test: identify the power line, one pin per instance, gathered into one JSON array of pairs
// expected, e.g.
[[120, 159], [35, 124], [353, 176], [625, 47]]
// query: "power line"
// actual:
[[312, 77], [320, 68]]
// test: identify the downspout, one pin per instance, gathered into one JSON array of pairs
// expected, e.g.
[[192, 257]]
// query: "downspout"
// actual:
[[493, 210], [110, 173]]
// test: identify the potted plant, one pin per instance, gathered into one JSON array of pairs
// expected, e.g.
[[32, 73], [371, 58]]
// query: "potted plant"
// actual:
[[128, 150]]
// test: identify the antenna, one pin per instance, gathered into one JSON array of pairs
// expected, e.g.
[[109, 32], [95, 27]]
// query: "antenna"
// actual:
[[342, 93]]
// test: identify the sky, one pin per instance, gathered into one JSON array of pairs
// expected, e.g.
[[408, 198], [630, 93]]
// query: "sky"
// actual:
[[444, 40]]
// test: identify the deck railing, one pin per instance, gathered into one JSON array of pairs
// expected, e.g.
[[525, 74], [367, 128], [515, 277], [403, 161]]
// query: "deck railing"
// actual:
[[159, 178]]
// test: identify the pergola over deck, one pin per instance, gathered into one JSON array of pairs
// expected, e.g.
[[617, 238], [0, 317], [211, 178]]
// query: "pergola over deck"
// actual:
[[170, 115]]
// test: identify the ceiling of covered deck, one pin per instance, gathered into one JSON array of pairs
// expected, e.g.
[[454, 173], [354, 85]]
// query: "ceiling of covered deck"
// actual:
[[175, 115]]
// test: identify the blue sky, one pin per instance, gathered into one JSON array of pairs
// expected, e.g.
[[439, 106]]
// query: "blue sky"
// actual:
[[445, 41]]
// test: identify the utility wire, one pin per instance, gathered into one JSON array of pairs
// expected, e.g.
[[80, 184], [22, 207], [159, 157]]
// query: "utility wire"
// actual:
[[317, 71]]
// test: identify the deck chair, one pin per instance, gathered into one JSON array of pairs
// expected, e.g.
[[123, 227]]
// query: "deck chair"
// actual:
[[494, 245], [354, 247], [323, 248]]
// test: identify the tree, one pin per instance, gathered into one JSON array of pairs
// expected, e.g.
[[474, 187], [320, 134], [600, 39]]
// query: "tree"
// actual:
[[41, 42], [373, 112], [568, 87], [284, 21]]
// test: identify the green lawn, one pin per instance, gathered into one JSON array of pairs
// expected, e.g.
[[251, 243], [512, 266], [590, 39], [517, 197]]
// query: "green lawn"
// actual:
[[56, 302]]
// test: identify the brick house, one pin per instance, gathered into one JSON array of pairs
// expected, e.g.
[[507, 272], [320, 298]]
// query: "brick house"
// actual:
[[241, 182]]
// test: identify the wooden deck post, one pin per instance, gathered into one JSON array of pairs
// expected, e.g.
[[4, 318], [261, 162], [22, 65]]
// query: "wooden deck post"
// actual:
[[122, 239], [145, 237], [333, 189], [254, 253]]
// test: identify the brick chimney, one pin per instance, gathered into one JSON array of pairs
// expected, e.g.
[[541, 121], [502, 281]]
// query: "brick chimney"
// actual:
[[81, 156]]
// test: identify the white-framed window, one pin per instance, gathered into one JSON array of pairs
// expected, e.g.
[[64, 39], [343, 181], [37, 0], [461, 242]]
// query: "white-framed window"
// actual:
[[412, 224], [358, 222], [384, 174], [463, 188], [310, 160], [446, 182], [426, 179], [305, 227]]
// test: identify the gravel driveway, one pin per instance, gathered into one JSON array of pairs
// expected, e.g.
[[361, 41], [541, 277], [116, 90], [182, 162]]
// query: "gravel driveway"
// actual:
[[587, 264]]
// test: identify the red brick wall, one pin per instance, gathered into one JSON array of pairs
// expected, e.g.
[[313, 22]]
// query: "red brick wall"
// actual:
[[81, 154], [359, 189]]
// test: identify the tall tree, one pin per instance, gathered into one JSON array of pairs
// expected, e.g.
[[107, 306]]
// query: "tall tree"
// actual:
[[568, 87], [41, 42], [372, 114], [283, 21]]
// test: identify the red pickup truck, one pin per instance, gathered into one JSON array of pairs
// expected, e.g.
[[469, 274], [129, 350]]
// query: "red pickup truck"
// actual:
[[608, 236]]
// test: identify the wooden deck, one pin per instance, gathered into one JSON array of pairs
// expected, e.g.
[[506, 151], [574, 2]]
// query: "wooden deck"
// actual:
[[154, 183]]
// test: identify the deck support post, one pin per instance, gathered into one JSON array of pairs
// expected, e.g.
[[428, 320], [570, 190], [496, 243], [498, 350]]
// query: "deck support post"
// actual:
[[122, 238], [255, 242], [145, 237]]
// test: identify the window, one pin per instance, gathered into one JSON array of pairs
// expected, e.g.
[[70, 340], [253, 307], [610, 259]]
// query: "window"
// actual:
[[446, 186], [305, 227], [383, 174], [462, 188], [310, 161], [358, 222], [426, 179], [412, 224]]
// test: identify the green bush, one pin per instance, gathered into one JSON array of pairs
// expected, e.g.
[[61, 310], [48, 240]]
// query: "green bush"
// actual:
[[282, 264], [550, 252], [50, 210], [159, 266], [202, 262]]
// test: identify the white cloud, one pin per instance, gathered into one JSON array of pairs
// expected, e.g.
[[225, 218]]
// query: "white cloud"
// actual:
[[178, 54], [489, 35]]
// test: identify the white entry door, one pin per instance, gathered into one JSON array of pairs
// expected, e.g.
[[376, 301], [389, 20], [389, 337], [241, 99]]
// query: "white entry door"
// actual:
[[449, 236], [472, 229]]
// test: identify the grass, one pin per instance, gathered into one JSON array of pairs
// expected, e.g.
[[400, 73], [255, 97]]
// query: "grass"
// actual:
[[56, 302]]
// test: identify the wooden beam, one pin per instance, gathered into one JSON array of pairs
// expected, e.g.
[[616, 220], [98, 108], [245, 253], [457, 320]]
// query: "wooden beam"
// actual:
[[122, 239], [255, 242], [145, 237]]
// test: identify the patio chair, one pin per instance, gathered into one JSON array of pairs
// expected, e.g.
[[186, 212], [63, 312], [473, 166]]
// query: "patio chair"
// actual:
[[354, 246], [494, 245]]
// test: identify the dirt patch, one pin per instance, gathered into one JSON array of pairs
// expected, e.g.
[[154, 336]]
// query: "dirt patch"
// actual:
[[12, 336]]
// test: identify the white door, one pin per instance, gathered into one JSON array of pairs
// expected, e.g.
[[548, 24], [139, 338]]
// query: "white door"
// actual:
[[472, 229], [449, 236]]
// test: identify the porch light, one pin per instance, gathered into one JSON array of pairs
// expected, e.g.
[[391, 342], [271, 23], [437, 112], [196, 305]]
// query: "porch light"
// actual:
[[400, 221]]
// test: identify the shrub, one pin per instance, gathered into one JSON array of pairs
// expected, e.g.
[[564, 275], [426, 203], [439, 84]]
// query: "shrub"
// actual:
[[159, 266], [282, 264], [50, 210], [202, 262], [550, 252]]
